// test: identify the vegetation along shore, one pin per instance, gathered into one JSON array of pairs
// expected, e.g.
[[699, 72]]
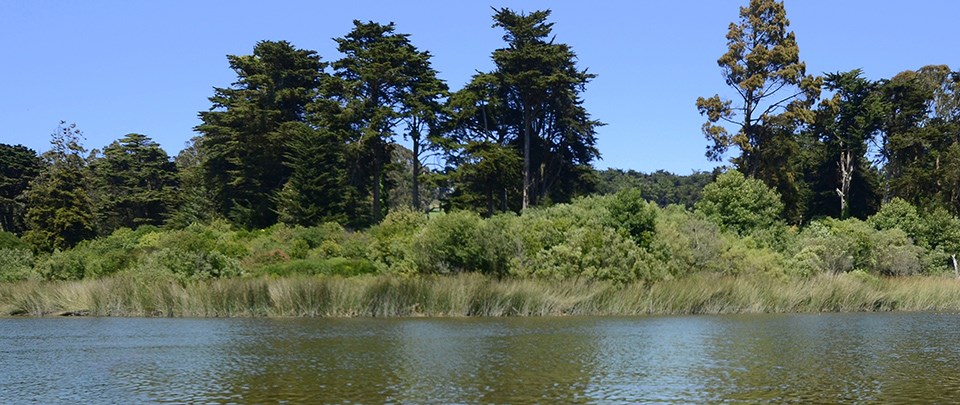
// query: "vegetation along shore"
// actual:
[[298, 197]]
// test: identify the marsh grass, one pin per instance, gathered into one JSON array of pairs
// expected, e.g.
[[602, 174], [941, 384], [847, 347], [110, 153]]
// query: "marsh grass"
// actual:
[[473, 295]]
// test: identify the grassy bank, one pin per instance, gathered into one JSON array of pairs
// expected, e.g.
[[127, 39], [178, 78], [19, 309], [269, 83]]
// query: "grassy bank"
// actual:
[[473, 295]]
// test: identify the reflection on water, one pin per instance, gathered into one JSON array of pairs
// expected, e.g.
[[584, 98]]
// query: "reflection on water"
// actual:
[[752, 358]]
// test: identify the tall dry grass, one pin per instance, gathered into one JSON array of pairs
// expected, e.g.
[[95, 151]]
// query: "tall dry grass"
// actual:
[[473, 295]]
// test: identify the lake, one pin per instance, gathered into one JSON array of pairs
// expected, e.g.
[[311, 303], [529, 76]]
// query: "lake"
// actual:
[[885, 357]]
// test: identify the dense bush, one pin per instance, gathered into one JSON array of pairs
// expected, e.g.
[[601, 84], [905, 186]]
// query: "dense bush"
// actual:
[[739, 204], [735, 230], [835, 246], [15, 264]]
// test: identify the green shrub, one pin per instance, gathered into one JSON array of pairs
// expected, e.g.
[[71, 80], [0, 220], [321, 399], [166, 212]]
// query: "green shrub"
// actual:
[[11, 241], [191, 264], [15, 264], [740, 205], [848, 245], [631, 214], [392, 240], [451, 243], [686, 243], [62, 265]]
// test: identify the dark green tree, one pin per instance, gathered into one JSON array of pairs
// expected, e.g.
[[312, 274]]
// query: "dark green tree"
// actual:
[[18, 166], [529, 108], [920, 142], [135, 183], [484, 166], [242, 145], [317, 190], [382, 80], [845, 125], [60, 212], [541, 85], [196, 203]]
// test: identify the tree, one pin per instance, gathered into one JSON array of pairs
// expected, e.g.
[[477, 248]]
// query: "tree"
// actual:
[[542, 86], [920, 142], [316, 191], [18, 166], [383, 80], [529, 107], [59, 208], [196, 203], [740, 204], [243, 147], [845, 124], [135, 184], [774, 95]]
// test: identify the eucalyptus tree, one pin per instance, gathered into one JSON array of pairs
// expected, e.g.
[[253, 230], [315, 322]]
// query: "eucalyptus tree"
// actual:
[[774, 96], [243, 146]]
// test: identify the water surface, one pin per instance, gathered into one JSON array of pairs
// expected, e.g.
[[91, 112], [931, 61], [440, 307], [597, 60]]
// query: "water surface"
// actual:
[[892, 357]]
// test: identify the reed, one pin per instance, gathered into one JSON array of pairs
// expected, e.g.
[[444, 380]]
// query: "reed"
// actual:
[[473, 295]]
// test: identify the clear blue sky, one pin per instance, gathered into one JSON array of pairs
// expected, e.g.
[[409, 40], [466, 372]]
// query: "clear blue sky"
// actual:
[[116, 67]]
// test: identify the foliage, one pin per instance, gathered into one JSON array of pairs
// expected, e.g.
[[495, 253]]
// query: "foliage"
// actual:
[[59, 208], [15, 264], [740, 205], [243, 148], [836, 246], [19, 165], [135, 184]]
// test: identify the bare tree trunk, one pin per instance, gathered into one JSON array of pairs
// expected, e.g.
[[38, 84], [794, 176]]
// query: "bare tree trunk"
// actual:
[[956, 271], [846, 177]]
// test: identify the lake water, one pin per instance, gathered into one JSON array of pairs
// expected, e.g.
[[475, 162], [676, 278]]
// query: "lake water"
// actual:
[[893, 357]]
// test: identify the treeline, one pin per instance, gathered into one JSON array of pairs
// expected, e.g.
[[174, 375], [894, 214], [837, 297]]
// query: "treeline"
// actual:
[[302, 141], [833, 174]]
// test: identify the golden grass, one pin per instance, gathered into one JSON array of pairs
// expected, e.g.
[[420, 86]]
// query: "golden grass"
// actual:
[[473, 295]]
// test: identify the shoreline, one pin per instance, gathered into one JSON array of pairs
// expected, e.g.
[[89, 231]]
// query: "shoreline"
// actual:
[[468, 295]]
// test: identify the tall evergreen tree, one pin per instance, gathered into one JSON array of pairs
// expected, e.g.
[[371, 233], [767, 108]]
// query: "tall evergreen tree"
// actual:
[[18, 166], [135, 184], [60, 212], [243, 147], [530, 103], [845, 124], [920, 143], [382, 80], [542, 85], [774, 95], [317, 190], [196, 202]]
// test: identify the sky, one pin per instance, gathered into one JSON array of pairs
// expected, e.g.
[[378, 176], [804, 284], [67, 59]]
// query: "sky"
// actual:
[[119, 67]]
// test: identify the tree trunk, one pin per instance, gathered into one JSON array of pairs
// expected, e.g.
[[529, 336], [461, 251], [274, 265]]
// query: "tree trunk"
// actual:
[[415, 137], [846, 177], [526, 158], [956, 271]]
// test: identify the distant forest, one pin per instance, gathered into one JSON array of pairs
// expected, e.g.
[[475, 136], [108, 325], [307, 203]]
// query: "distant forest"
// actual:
[[301, 140]]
